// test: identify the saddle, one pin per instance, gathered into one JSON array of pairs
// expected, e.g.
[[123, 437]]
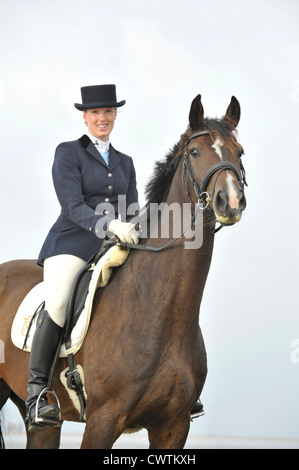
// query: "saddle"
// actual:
[[96, 273]]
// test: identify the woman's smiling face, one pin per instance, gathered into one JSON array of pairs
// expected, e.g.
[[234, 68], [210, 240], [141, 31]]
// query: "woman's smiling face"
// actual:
[[100, 122]]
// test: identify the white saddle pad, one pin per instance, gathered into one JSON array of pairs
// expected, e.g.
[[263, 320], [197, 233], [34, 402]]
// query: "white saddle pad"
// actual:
[[114, 257]]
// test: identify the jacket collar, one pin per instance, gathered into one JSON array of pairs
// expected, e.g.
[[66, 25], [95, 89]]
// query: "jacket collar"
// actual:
[[114, 158]]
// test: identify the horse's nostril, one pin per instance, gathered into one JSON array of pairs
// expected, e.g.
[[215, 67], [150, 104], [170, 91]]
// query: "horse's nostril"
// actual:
[[221, 201], [242, 200]]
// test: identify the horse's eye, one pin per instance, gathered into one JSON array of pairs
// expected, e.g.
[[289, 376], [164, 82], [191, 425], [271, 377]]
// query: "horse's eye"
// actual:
[[194, 152]]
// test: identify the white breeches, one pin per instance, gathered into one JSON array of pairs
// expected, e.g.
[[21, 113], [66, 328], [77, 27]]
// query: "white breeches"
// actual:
[[59, 274]]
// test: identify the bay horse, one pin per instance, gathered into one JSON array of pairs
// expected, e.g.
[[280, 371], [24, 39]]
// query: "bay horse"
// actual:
[[144, 357]]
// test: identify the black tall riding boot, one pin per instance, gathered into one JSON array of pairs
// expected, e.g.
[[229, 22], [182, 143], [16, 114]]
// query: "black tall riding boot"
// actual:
[[197, 410], [44, 346]]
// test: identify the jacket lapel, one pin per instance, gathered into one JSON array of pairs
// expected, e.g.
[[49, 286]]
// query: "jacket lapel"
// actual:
[[114, 158], [89, 146]]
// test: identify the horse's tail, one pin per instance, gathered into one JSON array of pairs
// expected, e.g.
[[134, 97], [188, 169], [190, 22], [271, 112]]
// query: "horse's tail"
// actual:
[[2, 444]]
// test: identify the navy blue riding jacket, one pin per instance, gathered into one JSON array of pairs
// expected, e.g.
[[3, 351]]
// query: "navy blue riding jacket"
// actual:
[[82, 181]]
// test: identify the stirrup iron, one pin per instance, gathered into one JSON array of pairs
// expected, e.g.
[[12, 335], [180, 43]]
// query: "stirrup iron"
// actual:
[[47, 421]]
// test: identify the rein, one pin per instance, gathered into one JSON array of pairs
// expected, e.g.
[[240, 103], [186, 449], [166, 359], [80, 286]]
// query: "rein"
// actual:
[[199, 189], [154, 248]]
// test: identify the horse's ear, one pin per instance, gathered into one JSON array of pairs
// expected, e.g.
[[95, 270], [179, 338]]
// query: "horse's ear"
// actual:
[[233, 113], [196, 113]]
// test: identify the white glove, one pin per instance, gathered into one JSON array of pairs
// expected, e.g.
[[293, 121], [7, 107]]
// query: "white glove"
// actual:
[[125, 231]]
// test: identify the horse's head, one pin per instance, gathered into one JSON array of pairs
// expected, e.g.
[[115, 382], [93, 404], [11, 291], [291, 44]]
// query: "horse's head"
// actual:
[[213, 161]]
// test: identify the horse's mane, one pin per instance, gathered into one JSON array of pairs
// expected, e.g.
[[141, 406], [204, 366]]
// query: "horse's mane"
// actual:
[[158, 186]]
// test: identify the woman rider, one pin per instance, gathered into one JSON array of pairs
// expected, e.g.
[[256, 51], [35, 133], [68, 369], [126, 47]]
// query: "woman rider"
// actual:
[[86, 172]]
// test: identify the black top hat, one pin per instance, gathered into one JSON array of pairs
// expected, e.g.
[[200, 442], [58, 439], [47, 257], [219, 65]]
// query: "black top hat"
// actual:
[[98, 96]]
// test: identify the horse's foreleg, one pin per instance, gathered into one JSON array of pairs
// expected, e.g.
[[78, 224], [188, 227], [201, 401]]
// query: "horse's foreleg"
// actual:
[[169, 435], [20, 404], [46, 438], [103, 427], [98, 434], [5, 393]]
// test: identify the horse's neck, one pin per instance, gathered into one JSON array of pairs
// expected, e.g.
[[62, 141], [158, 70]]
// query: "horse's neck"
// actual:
[[186, 263]]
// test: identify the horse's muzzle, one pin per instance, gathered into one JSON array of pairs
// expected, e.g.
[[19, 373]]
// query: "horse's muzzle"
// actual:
[[228, 208]]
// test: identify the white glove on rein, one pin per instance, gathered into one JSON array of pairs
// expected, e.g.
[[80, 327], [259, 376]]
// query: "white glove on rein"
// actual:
[[125, 231]]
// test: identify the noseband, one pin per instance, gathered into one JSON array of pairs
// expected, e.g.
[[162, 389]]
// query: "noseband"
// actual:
[[200, 187]]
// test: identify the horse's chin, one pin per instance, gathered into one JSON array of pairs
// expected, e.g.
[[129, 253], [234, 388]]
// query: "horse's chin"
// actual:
[[228, 220]]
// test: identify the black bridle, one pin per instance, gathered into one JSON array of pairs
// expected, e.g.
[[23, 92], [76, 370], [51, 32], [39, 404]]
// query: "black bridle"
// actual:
[[200, 188]]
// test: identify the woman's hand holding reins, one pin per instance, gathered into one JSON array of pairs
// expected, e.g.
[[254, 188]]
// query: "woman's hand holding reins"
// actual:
[[125, 231]]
